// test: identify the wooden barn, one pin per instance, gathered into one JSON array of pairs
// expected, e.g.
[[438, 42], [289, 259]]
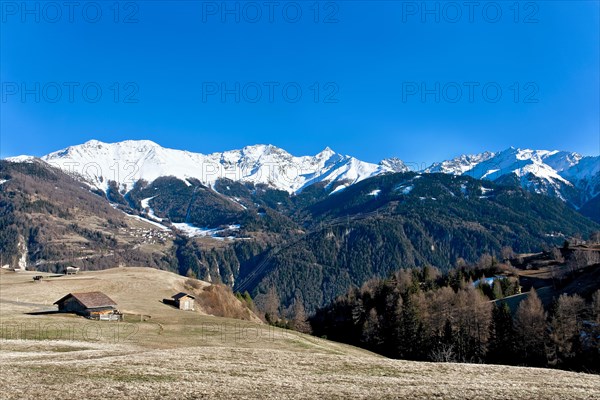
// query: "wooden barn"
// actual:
[[94, 305], [183, 301]]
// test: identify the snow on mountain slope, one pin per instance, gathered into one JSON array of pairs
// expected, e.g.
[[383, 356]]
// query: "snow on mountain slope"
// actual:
[[586, 168], [585, 175], [21, 159], [556, 173], [127, 162], [516, 161], [561, 160], [459, 165], [394, 164]]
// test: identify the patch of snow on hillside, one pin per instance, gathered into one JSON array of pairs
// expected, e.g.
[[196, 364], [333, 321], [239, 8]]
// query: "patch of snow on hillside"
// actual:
[[375, 192], [237, 200], [3, 181], [489, 173], [156, 224], [193, 231], [145, 203], [338, 189], [404, 189]]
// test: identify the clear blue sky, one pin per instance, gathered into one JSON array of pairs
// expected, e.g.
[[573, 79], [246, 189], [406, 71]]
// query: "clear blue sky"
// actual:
[[375, 55]]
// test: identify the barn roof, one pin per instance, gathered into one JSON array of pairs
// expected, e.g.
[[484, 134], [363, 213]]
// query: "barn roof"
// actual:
[[91, 299], [181, 295]]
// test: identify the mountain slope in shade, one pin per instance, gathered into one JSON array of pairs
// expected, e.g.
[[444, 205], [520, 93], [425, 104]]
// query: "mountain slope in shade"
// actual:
[[128, 161]]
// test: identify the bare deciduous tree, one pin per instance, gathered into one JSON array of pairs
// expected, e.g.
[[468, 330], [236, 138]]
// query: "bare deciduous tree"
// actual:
[[557, 255], [582, 258], [596, 306], [269, 304], [507, 253], [299, 318], [443, 353], [530, 327], [567, 323]]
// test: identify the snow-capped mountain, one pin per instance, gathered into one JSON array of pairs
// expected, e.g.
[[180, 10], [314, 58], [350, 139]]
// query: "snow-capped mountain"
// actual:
[[459, 165], [129, 161], [566, 175], [394, 164], [585, 176]]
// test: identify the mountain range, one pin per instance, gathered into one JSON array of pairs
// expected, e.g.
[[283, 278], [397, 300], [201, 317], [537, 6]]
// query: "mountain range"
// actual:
[[568, 176], [128, 161], [259, 218]]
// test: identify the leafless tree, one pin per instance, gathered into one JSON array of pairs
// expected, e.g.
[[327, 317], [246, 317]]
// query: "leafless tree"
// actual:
[[582, 258], [507, 253], [299, 318], [269, 304], [595, 308], [530, 325], [443, 353], [485, 261], [557, 255], [567, 323]]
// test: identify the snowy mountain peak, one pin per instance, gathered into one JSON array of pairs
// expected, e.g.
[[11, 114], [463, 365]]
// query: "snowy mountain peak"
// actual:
[[260, 148], [461, 164], [394, 164], [327, 152], [552, 172]]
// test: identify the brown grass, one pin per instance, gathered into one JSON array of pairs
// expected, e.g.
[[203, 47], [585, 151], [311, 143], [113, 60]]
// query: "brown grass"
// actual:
[[225, 372], [178, 354]]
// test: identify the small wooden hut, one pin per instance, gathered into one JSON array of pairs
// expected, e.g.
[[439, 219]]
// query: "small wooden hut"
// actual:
[[184, 301]]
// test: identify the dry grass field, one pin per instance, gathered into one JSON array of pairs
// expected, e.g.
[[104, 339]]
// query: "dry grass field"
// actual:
[[173, 354]]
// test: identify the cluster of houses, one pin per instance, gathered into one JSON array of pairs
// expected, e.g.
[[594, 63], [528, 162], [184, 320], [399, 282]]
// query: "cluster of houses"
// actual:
[[97, 305]]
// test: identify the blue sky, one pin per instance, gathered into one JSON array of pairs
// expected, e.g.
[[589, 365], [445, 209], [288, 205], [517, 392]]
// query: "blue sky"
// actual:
[[377, 78]]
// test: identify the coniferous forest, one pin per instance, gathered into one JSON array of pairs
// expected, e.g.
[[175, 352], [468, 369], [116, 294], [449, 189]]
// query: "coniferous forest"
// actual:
[[460, 316]]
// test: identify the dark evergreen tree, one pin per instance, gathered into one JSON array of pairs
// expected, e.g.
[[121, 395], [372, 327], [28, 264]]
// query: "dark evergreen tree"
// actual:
[[502, 336]]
